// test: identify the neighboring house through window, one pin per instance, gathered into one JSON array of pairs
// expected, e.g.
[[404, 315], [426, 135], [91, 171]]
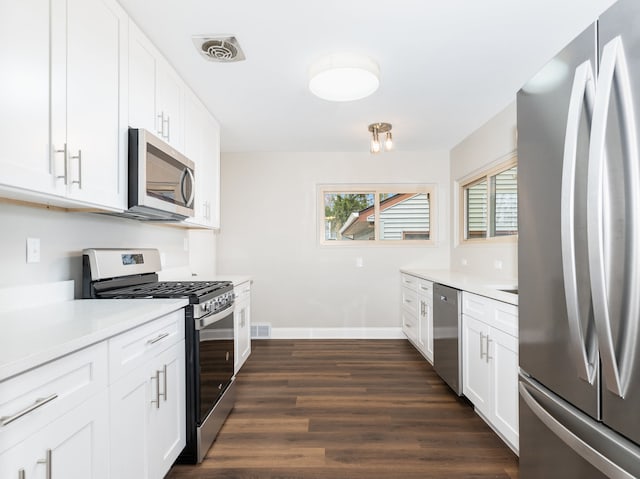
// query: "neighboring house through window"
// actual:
[[489, 203], [378, 213]]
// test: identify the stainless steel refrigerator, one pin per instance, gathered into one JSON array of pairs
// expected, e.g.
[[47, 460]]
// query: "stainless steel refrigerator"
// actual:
[[579, 256]]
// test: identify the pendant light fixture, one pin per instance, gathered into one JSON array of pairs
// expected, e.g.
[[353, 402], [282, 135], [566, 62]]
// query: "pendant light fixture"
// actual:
[[376, 129]]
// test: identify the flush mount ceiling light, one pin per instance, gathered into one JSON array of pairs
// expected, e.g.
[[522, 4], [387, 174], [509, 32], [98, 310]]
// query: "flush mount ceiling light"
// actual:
[[376, 129], [344, 77]]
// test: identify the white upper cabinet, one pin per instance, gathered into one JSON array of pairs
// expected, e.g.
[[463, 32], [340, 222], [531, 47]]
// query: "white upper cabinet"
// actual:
[[156, 92], [202, 146], [88, 101], [24, 95], [64, 115]]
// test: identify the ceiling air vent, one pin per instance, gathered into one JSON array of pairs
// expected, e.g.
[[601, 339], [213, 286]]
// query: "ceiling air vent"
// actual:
[[222, 49]]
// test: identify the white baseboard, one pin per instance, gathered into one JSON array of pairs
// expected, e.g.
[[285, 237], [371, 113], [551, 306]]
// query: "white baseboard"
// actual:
[[337, 333]]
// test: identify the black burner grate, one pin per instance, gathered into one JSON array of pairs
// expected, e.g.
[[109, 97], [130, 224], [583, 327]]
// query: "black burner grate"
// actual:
[[169, 289]]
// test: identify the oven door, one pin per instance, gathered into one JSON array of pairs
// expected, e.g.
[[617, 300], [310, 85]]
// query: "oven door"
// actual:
[[215, 337]]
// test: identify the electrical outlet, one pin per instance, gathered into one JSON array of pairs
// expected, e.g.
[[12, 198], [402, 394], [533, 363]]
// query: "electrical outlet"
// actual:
[[359, 262], [33, 250], [185, 244], [463, 261], [497, 264]]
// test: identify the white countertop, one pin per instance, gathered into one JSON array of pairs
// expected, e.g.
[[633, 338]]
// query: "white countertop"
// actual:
[[474, 284], [33, 336]]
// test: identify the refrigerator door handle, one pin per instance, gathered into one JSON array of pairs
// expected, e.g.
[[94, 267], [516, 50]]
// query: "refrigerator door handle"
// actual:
[[616, 369], [584, 450], [584, 351]]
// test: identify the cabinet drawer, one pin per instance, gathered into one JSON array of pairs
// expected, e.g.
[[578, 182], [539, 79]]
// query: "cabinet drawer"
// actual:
[[410, 300], [410, 282], [503, 316], [476, 306], [425, 287], [242, 290], [410, 325], [32, 400], [133, 348]]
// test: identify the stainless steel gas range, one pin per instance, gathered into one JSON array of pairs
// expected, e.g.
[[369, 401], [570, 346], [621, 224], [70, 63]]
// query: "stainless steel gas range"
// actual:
[[209, 334]]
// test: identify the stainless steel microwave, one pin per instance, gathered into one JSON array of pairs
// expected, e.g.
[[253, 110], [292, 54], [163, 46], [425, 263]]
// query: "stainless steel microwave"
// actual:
[[161, 179]]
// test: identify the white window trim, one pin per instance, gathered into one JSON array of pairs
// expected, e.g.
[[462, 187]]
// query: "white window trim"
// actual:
[[376, 189], [491, 170]]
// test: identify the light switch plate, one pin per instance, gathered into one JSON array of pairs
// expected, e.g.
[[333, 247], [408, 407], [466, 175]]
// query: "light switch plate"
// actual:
[[33, 250]]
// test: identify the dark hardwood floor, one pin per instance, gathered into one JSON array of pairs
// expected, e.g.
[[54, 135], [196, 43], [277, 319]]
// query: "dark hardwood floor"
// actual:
[[349, 409]]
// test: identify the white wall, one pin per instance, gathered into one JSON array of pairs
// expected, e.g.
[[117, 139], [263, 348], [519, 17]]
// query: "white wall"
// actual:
[[494, 142], [269, 231], [64, 235]]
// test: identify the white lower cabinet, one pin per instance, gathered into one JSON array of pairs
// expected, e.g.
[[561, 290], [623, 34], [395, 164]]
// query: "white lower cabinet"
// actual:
[[417, 313], [148, 417], [74, 446], [242, 324], [112, 410], [425, 308], [147, 403], [54, 418], [490, 362]]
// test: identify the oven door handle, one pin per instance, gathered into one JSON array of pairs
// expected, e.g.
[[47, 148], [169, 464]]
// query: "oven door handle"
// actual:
[[208, 320]]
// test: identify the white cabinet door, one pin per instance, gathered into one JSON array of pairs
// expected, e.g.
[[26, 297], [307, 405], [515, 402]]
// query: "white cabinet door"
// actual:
[[74, 446], [426, 328], [170, 104], [476, 370], [130, 399], [242, 325], [167, 416], [24, 96], [211, 181], [156, 100], [79, 441], [148, 417], [88, 50], [202, 145], [425, 304], [142, 82], [503, 349]]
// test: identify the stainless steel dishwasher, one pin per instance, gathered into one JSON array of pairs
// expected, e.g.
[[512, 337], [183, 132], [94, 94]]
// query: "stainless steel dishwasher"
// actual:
[[447, 360]]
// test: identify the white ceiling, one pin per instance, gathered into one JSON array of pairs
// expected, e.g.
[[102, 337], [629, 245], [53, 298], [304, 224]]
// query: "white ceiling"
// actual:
[[446, 66]]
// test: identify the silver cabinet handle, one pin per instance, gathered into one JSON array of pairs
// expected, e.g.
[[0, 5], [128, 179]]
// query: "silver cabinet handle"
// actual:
[[47, 463], [584, 352], [66, 167], [79, 158], [160, 337], [616, 369], [6, 420], [160, 130], [443, 298], [164, 376], [482, 353], [168, 128], [488, 342], [156, 401], [21, 474]]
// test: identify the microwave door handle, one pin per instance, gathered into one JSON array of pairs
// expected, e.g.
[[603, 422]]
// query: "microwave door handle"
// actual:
[[189, 203], [187, 172]]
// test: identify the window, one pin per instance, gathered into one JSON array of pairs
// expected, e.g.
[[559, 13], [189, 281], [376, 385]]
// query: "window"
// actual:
[[490, 203], [377, 214]]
